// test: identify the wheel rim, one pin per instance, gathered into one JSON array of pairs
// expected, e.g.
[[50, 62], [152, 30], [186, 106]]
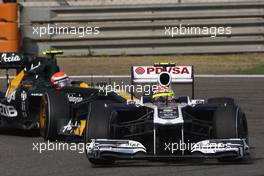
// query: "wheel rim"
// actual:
[[42, 117]]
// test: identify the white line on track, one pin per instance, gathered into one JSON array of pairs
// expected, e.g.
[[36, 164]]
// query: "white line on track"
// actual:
[[128, 76], [197, 76], [229, 76]]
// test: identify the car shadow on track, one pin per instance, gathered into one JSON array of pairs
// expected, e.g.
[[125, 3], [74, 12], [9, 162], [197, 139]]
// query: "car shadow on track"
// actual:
[[176, 163], [20, 133]]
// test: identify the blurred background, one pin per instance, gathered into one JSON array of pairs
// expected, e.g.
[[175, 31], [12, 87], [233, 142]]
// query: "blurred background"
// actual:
[[134, 32]]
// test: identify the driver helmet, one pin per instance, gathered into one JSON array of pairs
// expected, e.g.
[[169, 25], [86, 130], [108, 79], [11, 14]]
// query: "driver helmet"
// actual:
[[163, 93], [60, 79]]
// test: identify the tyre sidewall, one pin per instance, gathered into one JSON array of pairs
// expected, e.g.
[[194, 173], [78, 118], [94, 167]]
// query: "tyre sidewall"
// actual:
[[57, 108]]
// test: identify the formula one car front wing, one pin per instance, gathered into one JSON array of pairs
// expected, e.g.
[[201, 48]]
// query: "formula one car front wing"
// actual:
[[133, 150]]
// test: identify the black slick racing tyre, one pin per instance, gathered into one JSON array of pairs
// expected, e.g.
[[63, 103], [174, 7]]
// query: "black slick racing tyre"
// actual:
[[230, 122], [98, 126], [53, 106]]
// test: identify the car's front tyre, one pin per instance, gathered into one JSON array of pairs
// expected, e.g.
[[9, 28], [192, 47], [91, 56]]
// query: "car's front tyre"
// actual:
[[98, 126], [53, 106], [230, 122]]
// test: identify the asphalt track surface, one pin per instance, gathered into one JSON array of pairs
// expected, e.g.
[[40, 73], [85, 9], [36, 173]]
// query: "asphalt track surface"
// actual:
[[18, 158]]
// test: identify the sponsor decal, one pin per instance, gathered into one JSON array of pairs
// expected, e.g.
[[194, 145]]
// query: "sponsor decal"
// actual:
[[172, 70], [11, 97], [198, 101], [70, 126], [23, 95], [23, 106], [152, 72], [75, 99], [8, 111], [133, 144], [140, 70], [36, 94], [169, 113], [10, 57], [33, 67]]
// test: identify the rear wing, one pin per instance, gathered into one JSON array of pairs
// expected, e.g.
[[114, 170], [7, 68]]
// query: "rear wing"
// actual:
[[153, 74], [35, 65], [18, 60], [12, 61]]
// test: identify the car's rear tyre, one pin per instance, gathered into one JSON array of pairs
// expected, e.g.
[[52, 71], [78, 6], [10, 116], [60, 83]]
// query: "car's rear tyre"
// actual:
[[98, 126], [230, 122], [53, 106], [222, 101]]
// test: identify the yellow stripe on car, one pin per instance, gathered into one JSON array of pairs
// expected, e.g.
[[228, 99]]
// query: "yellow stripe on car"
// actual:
[[125, 95], [164, 94], [15, 83], [79, 131]]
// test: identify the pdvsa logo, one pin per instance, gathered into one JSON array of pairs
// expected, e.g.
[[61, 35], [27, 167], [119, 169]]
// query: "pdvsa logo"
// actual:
[[157, 70], [172, 70], [140, 70]]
